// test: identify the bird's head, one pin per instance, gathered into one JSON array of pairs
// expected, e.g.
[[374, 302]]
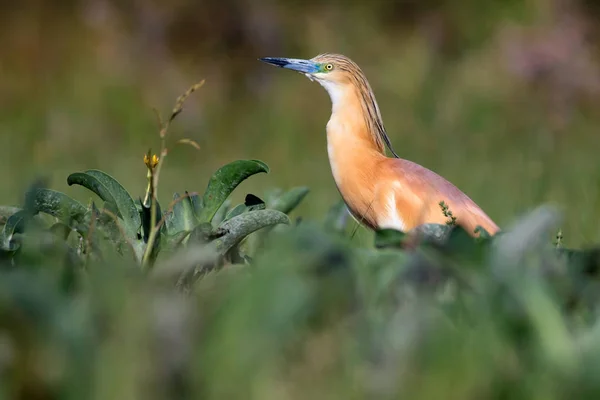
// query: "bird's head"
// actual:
[[332, 71], [343, 79]]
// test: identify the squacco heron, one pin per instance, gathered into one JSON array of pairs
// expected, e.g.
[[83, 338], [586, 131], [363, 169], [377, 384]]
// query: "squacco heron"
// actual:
[[379, 191]]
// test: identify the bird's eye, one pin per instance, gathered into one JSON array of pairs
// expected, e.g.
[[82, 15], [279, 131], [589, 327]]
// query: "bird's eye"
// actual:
[[329, 67]]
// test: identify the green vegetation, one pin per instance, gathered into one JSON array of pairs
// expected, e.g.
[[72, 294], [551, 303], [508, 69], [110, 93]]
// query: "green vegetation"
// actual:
[[126, 299], [207, 269], [142, 228], [306, 313]]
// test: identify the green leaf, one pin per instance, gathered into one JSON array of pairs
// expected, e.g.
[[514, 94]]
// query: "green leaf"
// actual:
[[221, 212], [235, 211], [337, 217], [123, 200], [464, 249], [237, 228], [432, 233], [14, 224], [183, 218], [111, 191], [61, 230], [6, 212], [92, 183], [176, 239], [289, 200], [251, 203], [483, 235], [386, 238], [459, 240], [107, 224], [197, 203], [57, 204], [273, 194], [278, 200], [202, 233], [224, 181]]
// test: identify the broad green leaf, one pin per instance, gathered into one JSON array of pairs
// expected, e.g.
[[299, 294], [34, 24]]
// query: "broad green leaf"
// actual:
[[57, 204], [183, 217], [289, 200], [237, 228], [111, 191], [111, 208], [224, 181], [107, 224], [123, 200], [92, 183]]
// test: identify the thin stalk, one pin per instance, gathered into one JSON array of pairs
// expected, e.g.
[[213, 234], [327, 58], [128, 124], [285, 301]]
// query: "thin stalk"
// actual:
[[154, 170], [153, 231]]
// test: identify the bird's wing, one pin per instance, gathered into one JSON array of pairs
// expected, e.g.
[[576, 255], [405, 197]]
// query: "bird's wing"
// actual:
[[418, 182]]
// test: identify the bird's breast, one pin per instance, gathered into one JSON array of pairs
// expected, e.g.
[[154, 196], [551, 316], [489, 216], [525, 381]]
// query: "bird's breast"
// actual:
[[355, 162], [370, 200], [355, 178]]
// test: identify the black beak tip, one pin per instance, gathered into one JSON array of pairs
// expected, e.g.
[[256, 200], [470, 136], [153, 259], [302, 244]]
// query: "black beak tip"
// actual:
[[278, 62]]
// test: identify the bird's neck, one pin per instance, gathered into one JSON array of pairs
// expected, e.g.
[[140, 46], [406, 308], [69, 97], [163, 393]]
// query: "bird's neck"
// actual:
[[352, 144], [355, 116], [355, 121]]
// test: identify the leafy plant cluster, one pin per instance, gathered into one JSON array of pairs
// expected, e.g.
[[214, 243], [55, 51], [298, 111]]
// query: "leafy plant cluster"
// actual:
[[142, 227], [127, 299]]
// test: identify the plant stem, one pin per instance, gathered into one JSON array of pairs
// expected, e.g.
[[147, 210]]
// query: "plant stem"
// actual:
[[153, 175], [152, 236], [154, 172]]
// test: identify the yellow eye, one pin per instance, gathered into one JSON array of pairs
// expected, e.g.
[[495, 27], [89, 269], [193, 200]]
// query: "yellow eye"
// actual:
[[329, 67]]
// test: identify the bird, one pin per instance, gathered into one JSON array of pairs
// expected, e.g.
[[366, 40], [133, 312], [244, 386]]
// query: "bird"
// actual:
[[380, 192]]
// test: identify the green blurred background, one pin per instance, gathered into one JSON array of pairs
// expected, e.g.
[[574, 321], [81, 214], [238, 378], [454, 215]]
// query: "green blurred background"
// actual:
[[500, 97]]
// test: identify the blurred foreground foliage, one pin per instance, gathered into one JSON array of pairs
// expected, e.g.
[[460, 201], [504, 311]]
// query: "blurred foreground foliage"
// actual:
[[297, 311]]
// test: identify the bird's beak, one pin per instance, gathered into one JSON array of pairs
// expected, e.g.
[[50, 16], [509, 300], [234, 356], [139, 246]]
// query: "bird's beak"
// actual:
[[303, 66]]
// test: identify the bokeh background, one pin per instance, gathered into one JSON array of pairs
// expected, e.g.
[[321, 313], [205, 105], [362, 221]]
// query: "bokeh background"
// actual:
[[500, 97]]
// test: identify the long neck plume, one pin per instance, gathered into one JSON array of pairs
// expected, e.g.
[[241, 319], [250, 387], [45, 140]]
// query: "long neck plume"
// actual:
[[371, 112]]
